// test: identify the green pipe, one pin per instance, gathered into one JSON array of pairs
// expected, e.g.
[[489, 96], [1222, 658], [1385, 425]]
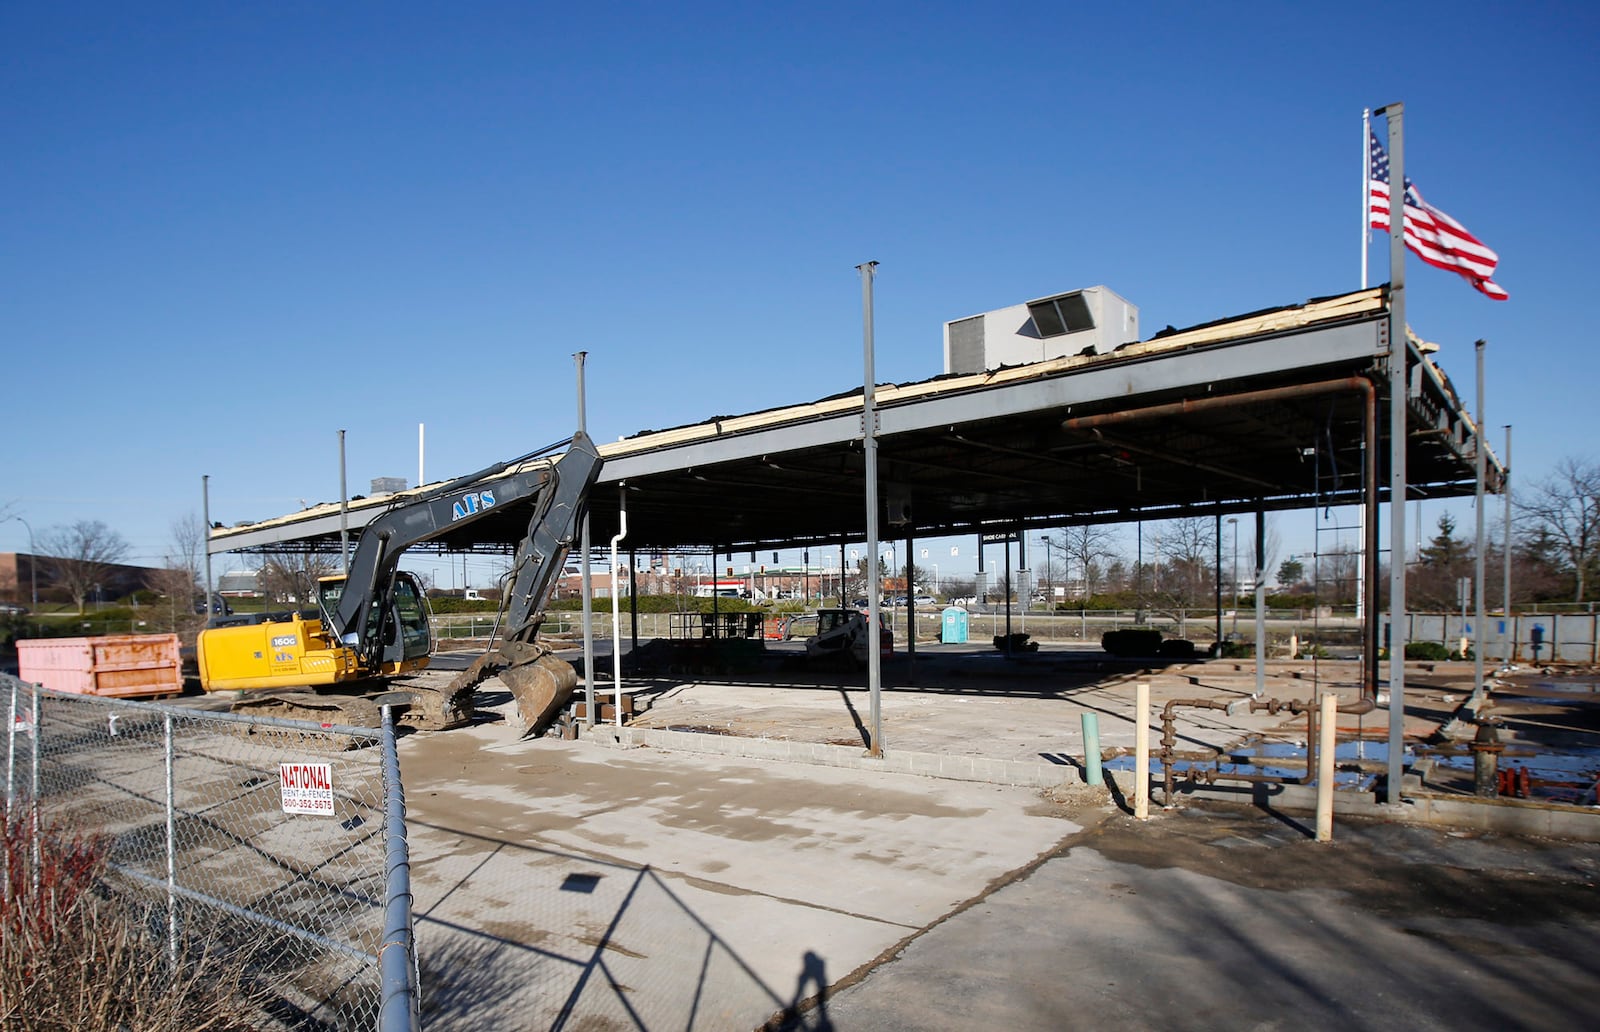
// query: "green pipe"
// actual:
[[1091, 749]]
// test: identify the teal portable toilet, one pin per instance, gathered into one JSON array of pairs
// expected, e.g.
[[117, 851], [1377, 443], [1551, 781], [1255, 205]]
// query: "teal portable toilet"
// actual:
[[953, 628]]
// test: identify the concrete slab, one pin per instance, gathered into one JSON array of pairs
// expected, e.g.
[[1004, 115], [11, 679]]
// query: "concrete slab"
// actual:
[[553, 878], [1222, 918]]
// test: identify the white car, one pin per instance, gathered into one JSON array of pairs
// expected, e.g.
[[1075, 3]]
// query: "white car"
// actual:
[[925, 600]]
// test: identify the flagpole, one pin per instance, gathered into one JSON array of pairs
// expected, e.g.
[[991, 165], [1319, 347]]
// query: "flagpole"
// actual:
[[1398, 385], [1366, 194]]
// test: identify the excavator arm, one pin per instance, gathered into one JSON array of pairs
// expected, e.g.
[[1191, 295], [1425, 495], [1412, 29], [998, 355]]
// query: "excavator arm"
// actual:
[[539, 682], [558, 488]]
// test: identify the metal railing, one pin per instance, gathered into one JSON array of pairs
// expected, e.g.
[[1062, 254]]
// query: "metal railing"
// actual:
[[285, 835]]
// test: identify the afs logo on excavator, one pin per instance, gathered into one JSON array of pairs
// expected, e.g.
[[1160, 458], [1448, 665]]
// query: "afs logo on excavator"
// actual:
[[471, 504]]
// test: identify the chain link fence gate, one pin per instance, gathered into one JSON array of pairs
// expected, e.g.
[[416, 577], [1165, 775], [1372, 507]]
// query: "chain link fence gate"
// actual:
[[283, 840]]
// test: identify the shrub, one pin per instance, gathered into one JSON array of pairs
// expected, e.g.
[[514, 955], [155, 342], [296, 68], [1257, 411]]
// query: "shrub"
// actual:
[[1176, 648], [1238, 650], [1131, 641], [1427, 650], [75, 955]]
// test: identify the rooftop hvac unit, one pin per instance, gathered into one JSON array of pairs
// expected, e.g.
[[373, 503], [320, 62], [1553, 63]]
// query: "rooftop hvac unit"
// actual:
[[387, 485], [1093, 320]]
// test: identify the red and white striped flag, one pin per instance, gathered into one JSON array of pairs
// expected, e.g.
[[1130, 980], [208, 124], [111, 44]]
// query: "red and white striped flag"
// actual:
[[1431, 235]]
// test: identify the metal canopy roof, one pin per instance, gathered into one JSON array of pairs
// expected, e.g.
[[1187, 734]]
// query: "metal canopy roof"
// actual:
[[1266, 409]]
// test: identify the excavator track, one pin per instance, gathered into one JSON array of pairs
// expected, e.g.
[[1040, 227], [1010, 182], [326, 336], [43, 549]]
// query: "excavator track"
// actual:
[[540, 684]]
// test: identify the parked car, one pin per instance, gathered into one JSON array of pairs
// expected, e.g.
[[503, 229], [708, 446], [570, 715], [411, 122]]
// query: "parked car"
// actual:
[[12, 609], [219, 606], [926, 600]]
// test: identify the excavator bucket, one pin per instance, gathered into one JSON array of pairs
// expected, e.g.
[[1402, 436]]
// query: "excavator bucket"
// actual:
[[540, 683]]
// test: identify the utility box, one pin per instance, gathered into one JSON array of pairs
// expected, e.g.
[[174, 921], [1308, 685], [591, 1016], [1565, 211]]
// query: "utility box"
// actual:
[[1094, 320], [953, 626], [119, 665]]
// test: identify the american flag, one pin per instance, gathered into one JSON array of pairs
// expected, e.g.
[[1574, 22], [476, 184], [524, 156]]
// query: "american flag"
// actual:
[[1431, 235]]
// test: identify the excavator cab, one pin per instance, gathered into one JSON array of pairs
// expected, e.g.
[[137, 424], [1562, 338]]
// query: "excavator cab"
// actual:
[[403, 626]]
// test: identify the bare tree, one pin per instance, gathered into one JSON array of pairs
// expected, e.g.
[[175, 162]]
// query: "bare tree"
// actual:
[[82, 557], [293, 576], [1188, 549], [1563, 512], [1087, 548], [178, 581]]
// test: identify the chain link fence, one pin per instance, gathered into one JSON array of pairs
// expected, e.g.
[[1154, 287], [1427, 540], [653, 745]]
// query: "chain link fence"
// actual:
[[283, 840]]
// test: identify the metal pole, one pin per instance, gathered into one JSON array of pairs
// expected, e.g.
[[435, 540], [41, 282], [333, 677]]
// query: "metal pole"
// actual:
[[1217, 519], [588, 574], [1398, 387], [1480, 446], [398, 1003], [1261, 602], [1235, 574], [616, 603], [11, 752], [344, 517], [1505, 559], [421, 440], [205, 515], [869, 444], [172, 845], [1366, 193], [1141, 750], [36, 732]]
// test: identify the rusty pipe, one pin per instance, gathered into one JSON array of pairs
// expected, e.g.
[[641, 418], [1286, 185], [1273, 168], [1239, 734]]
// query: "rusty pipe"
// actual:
[[1169, 736], [1193, 405]]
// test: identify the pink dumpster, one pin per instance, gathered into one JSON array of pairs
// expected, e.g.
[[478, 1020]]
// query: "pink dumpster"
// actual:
[[113, 664]]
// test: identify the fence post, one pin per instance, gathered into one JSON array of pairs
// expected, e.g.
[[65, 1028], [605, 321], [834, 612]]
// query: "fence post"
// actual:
[[33, 786], [11, 753], [398, 1006], [11, 759], [172, 847]]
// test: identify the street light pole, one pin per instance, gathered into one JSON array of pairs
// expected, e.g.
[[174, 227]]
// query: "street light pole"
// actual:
[[33, 563], [1050, 596]]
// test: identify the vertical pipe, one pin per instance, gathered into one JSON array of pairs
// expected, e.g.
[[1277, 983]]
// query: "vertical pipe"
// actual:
[[1092, 774], [1480, 446], [587, 572], [1141, 750], [398, 1003], [1505, 558], [421, 442], [172, 845], [869, 443], [911, 608], [1327, 732], [344, 519], [205, 542], [1398, 387]]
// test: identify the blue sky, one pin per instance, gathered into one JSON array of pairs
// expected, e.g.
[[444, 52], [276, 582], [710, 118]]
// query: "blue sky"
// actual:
[[231, 230]]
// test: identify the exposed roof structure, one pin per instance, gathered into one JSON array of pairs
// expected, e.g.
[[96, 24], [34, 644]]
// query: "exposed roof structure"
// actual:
[[1266, 410]]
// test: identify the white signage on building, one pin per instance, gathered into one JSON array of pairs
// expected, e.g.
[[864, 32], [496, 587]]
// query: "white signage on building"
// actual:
[[306, 788]]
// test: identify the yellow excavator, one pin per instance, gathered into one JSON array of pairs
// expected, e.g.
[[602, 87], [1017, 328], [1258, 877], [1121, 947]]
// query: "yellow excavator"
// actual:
[[371, 628]]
